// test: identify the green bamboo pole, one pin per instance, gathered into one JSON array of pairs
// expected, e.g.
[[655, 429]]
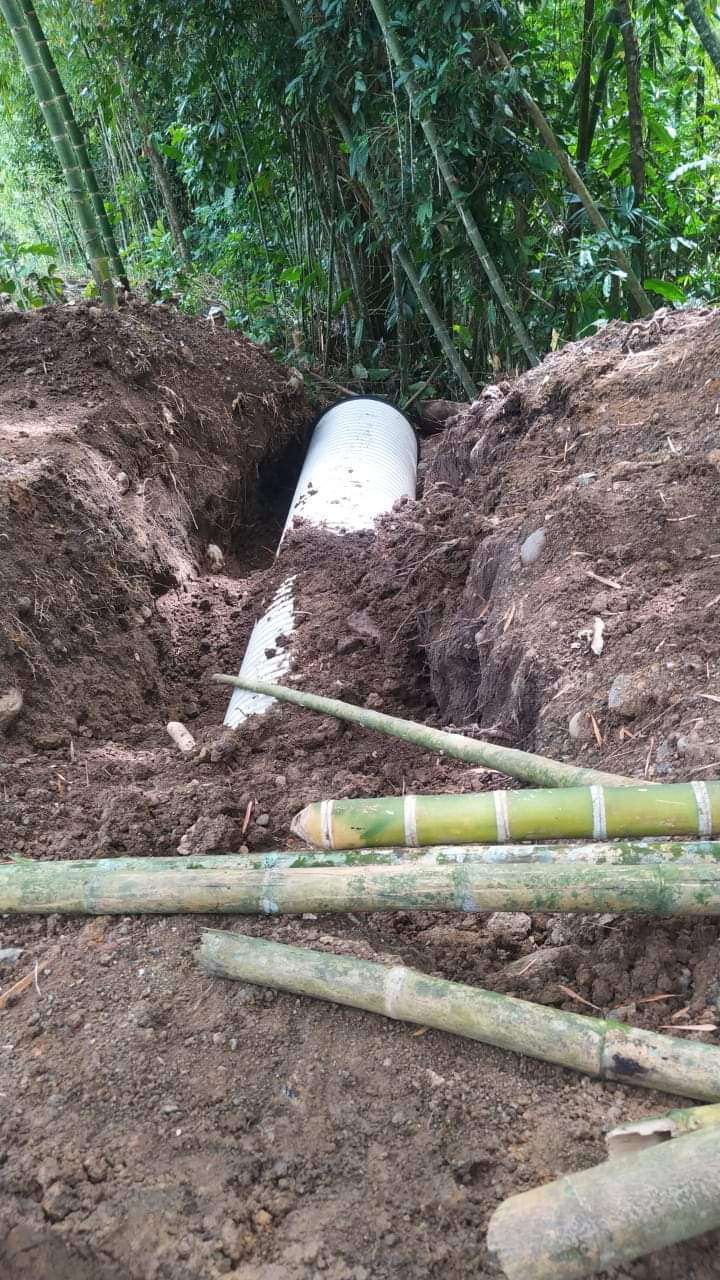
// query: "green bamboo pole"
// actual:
[[107, 889], [55, 121], [576, 184], [397, 248], [709, 37], [578, 813], [517, 764], [599, 1218], [639, 1134], [600, 1047], [428, 127], [47, 63]]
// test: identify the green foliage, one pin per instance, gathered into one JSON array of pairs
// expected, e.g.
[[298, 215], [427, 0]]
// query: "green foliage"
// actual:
[[272, 201], [28, 275]]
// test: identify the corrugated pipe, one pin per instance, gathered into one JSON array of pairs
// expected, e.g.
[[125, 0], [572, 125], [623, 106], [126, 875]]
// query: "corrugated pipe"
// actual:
[[362, 457]]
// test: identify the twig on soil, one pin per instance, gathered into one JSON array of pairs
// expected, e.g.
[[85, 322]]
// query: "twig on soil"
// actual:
[[15, 990], [423, 387]]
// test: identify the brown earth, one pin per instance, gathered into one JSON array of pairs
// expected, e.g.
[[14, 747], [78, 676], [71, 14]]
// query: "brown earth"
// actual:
[[156, 1123]]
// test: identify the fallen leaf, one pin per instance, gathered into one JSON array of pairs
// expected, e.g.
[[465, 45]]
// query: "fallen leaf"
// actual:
[[420, 1032], [16, 989], [663, 995], [574, 996]]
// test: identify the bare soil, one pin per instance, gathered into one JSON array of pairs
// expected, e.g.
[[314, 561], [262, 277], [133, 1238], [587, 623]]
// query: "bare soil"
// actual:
[[156, 1123]]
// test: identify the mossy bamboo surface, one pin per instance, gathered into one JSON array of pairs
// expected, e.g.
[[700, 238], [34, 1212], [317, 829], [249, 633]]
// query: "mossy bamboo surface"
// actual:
[[524, 765], [599, 1218], [603, 1048], [52, 112], [126, 888], [76, 137], [637, 1135], [672, 809]]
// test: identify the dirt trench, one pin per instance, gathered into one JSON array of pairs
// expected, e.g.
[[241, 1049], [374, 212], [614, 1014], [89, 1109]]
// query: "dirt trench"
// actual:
[[157, 1124]]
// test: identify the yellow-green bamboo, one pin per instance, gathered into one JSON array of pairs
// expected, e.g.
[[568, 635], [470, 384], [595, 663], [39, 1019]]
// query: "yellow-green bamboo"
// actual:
[[524, 765], [127, 887], [76, 137], [577, 813], [636, 1135], [52, 112], [599, 1218], [600, 1047]]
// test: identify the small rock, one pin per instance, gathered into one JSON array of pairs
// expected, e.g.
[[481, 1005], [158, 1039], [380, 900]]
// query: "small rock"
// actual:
[[9, 956], [580, 727], [11, 704], [632, 693], [263, 1219], [96, 1168], [348, 644], [696, 750], [511, 926], [623, 1012], [24, 604], [533, 547], [58, 1201], [169, 1108], [585, 478], [231, 1240], [208, 835], [181, 736], [374, 701], [48, 740], [122, 481], [262, 820], [215, 557]]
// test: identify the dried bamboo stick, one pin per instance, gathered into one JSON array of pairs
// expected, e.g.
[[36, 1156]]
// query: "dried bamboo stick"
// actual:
[[620, 1210], [673, 809], [524, 765], [105, 889], [603, 1048]]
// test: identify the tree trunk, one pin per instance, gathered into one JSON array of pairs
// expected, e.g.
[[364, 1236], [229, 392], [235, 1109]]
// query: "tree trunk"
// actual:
[[164, 186], [50, 97], [598, 95], [635, 112], [586, 56], [709, 38]]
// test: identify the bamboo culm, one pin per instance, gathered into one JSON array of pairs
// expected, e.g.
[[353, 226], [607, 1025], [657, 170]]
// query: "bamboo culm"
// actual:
[[516, 764], [577, 813], [709, 37], [599, 1218], [398, 249], [436, 146], [77, 139], [67, 155], [102, 888], [576, 184], [603, 1048]]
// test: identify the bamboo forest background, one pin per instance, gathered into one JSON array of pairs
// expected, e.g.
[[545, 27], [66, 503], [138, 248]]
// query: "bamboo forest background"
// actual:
[[289, 162]]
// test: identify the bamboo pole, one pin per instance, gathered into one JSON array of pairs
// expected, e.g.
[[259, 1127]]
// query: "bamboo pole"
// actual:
[[467, 218], [586, 1222], [603, 1048], [67, 155], [397, 248], [576, 183], [637, 1135], [102, 888], [76, 137], [598, 813], [524, 765]]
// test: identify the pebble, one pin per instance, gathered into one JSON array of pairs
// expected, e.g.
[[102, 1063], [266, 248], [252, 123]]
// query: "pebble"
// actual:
[[262, 820], [181, 736], [512, 925], [11, 704], [580, 727], [58, 1202], [122, 481], [632, 693], [9, 956], [533, 547]]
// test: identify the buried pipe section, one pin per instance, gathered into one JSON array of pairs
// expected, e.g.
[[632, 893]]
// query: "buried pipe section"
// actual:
[[362, 457]]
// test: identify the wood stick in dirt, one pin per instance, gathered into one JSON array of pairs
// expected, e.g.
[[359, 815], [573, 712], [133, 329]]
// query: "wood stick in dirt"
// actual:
[[599, 813], [662, 889], [637, 1135], [603, 1048], [599, 1218], [524, 765]]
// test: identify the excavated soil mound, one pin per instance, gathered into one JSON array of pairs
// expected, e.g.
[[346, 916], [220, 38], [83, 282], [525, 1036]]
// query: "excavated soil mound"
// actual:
[[158, 1124]]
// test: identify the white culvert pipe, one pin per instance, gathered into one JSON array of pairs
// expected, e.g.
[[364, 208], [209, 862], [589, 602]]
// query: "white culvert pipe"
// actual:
[[362, 457]]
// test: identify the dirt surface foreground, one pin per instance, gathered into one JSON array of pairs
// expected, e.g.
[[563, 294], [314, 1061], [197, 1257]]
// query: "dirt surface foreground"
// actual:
[[156, 1124]]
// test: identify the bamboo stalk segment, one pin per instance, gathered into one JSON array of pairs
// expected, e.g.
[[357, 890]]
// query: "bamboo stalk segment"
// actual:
[[603, 1048], [596, 812], [620, 1210], [637, 1135], [524, 765], [127, 886]]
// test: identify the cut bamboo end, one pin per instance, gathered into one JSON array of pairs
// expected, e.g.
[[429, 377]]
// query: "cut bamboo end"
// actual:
[[586, 1222], [608, 1050], [637, 1135]]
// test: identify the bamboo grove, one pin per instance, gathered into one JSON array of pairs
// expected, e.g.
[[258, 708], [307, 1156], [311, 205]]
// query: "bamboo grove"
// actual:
[[405, 193]]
